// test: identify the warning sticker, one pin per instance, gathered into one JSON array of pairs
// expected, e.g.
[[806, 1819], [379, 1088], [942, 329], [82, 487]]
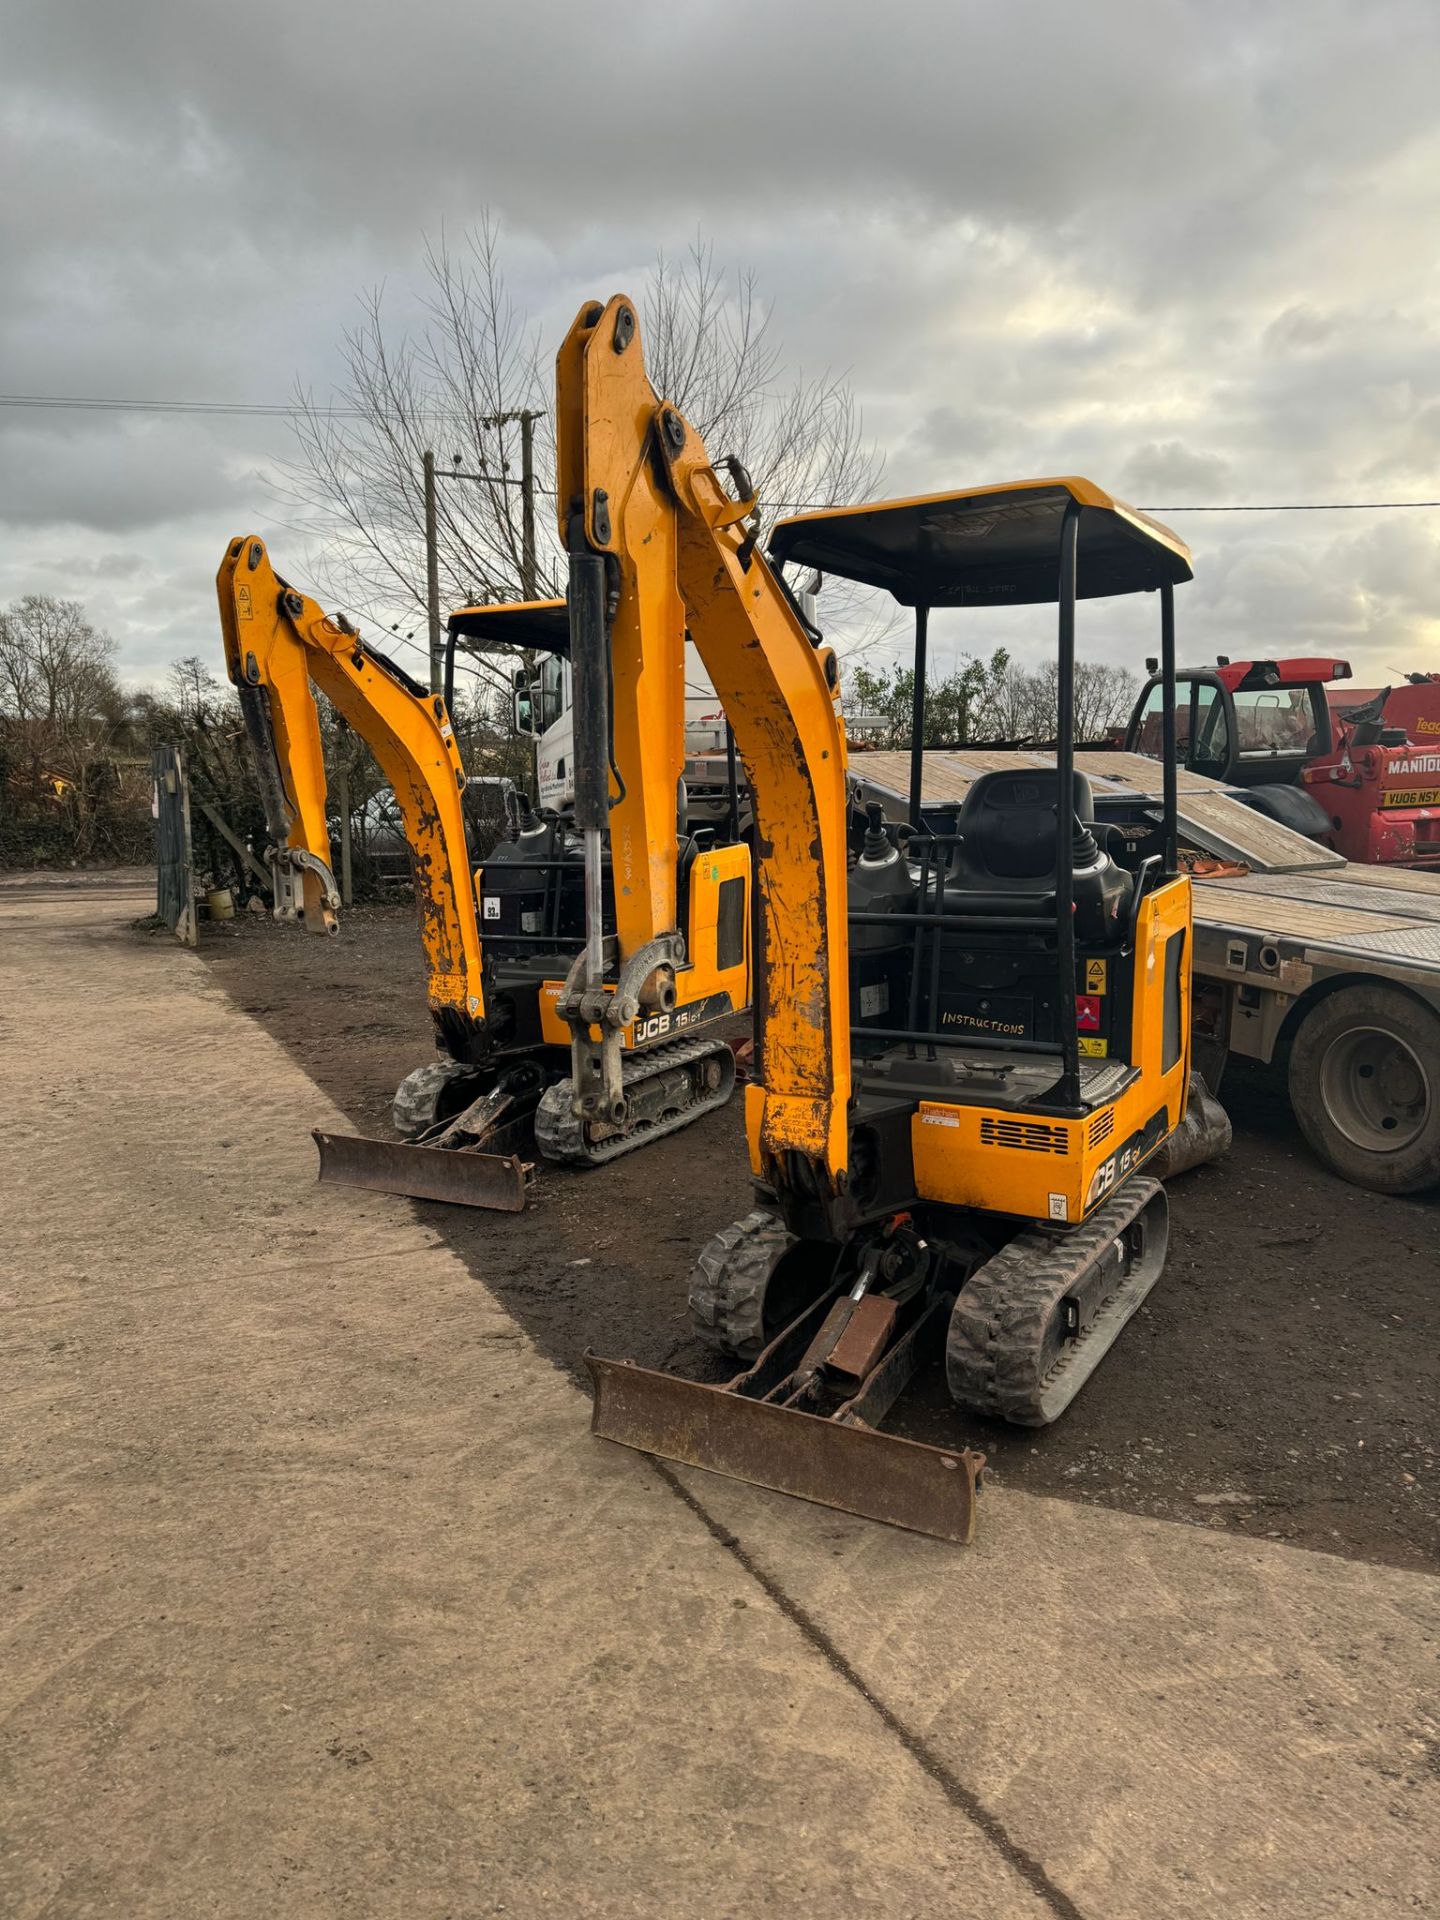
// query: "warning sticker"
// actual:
[[874, 999], [1087, 1012], [1093, 1047], [1059, 1207], [1096, 972]]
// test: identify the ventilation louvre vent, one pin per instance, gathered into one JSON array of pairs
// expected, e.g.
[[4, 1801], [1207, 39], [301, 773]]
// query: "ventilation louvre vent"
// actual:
[[1102, 1126], [1028, 1136]]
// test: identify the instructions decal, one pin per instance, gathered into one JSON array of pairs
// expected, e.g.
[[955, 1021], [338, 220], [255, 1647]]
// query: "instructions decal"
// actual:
[[1087, 1012]]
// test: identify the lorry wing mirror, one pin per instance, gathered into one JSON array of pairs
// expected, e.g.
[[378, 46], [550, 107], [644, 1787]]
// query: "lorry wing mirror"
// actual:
[[524, 706]]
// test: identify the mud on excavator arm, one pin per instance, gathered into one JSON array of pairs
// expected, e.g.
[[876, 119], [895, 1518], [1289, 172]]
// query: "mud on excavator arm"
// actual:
[[637, 479], [279, 645]]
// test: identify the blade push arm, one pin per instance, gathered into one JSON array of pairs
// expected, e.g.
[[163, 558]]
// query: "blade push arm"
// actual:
[[639, 487], [278, 643]]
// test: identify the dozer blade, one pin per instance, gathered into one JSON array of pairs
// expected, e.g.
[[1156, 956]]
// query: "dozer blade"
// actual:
[[492, 1180], [852, 1467]]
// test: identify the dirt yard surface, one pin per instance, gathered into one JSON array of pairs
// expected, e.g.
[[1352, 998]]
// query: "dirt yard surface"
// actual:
[[1280, 1382], [320, 1599]]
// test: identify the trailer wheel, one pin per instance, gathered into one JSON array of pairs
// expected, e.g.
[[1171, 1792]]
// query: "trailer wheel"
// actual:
[[1365, 1087]]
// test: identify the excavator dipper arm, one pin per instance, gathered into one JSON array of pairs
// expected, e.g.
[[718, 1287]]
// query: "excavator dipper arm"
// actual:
[[279, 645], [637, 486]]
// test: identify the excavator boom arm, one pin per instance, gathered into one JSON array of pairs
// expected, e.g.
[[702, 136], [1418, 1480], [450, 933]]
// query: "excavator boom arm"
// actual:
[[279, 646], [636, 478]]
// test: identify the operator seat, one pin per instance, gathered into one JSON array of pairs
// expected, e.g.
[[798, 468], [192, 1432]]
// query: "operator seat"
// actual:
[[1005, 859]]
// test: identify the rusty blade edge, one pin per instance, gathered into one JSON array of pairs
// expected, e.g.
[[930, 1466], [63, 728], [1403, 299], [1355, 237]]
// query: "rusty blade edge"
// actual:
[[493, 1181], [856, 1469]]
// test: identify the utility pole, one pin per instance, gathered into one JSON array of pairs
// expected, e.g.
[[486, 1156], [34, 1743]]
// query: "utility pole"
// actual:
[[432, 578], [528, 586], [342, 783], [342, 794], [529, 565]]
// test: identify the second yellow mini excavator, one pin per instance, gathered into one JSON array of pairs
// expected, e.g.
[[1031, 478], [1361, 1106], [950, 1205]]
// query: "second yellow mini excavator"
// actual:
[[578, 998], [944, 1171]]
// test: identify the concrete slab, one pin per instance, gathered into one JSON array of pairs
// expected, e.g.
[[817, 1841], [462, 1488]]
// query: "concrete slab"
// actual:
[[318, 1596], [1174, 1721]]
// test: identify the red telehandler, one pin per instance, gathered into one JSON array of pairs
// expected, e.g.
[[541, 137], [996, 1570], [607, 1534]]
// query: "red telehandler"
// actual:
[[1359, 772]]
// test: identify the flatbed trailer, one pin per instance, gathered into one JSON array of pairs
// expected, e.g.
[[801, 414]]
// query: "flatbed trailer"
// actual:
[[1329, 969]]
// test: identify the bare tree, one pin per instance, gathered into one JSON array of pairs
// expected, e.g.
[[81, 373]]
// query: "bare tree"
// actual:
[[54, 666], [1104, 695], [458, 384], [713, 353], [63, 715]]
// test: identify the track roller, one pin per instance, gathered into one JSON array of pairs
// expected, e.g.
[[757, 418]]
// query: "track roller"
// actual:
[[1032, 1324]]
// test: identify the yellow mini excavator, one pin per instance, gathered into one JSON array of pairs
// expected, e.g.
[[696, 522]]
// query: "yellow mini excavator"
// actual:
[[543, 962], [971, 1034]]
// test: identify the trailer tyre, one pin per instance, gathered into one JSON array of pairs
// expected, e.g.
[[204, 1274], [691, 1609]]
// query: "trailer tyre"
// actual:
[[1365, 1087], [431, 1095]]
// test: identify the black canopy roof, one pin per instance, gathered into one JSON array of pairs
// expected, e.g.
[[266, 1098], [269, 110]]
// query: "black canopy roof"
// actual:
[[987, 546], [542, 625]]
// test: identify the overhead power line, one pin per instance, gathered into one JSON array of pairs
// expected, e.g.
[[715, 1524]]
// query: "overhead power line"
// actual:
[[259, 409], [85, 404], [1305, 506], [263, 409]]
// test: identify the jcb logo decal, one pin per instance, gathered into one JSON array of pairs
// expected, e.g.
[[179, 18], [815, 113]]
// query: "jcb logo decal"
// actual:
[[1107, 1173]]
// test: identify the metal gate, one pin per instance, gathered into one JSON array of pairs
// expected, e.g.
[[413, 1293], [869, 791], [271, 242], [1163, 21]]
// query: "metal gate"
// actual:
[[174, 872]]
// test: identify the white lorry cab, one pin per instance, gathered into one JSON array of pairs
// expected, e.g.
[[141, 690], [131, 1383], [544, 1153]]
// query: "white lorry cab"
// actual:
[[542, 706]]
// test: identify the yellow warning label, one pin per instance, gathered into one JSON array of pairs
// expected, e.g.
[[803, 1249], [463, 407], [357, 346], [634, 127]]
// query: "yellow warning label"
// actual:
[[1095, 976], [1093, 1047]]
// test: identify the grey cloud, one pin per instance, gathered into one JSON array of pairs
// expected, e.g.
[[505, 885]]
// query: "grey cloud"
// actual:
[[1171, 470], [1182, 245], [117, 474]]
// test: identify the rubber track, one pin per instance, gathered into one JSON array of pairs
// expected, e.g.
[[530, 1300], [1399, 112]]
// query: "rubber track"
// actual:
[[1004, 1311], [727, 1285], [417, 1099], [560, 1134]]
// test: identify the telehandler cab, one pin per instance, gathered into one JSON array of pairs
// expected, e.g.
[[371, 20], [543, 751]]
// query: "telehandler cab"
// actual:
[[968, 1050]]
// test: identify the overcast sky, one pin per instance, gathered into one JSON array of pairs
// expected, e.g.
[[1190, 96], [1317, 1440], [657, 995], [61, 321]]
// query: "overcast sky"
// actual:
[[1187, 249]]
